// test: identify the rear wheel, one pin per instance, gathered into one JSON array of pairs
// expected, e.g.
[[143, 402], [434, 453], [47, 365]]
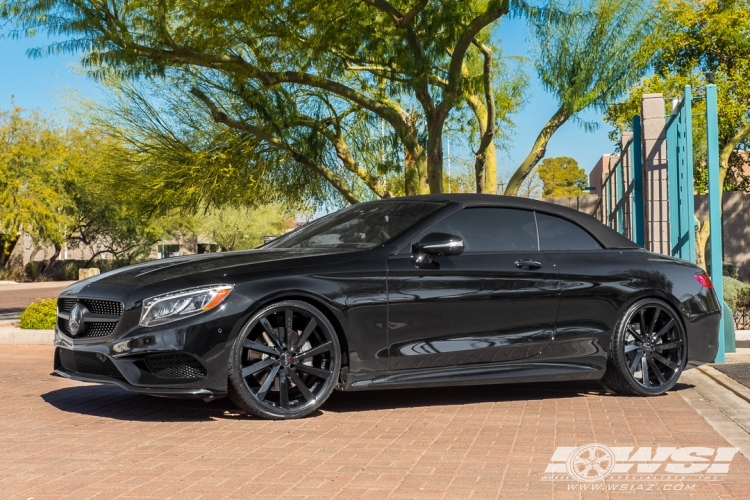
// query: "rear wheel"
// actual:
[[648, 350], [285, 362]]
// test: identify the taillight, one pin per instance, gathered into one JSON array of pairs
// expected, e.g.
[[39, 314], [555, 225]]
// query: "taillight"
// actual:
[[703, 279]]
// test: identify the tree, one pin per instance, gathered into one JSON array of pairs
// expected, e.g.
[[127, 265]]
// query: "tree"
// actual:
[[289, 79], [240, 229], [32, 198], [562, 177], [102, 214], [694, 38], [588, 61]]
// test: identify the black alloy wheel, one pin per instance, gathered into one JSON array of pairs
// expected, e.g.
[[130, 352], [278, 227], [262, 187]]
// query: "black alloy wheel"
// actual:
[[285, 362], [648, 350]]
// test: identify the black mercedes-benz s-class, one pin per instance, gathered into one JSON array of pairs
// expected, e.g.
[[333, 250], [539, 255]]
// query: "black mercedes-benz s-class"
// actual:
[[407, 292]]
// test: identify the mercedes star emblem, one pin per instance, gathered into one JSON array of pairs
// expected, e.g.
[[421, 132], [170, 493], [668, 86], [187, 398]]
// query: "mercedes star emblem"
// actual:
[[75, 323]]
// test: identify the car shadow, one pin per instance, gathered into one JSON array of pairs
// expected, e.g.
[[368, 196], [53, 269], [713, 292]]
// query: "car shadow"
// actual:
[[108, 401], [342, 402]]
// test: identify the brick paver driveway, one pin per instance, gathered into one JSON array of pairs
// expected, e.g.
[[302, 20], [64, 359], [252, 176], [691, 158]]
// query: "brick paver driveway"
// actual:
[[60, 438]]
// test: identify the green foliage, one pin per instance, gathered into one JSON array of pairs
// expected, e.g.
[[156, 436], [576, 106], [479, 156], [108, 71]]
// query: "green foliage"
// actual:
[[730, 270], [587, 62], [596, 55], [32, 198], [40, 315], [303, 87], [562, 177], [733, 289], [70, 185], [241, 229], [692, 38]]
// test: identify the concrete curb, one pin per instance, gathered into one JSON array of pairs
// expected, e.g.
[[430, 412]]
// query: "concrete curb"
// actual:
[[728, 382], [742, 335], [18, 336]]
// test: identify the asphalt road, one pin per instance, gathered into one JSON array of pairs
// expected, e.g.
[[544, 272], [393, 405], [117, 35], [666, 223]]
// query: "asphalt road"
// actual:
[[15, 298]]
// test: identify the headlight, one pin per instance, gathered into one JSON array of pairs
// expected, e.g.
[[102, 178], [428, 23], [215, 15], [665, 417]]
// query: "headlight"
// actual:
[[182, 304]]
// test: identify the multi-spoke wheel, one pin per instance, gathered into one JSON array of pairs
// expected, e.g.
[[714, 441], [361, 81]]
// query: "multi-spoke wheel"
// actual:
[[285, 362], [648, 350]]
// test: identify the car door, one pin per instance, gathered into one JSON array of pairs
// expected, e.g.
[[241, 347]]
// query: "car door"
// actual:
[[495, 302], [593, 286]]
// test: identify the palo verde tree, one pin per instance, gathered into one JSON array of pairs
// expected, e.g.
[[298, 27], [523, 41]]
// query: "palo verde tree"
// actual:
[[587, 62], [32, 198], [696, 38], [562, 177], [276, 69]]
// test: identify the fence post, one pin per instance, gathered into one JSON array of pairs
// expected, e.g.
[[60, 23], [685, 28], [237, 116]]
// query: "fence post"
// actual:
[[637, 169], [673, 180], [620, 207], [687, 184], [714, 206]]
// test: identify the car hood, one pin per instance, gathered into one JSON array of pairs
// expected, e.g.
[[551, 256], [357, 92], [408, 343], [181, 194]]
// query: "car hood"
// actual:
[[196, 270]]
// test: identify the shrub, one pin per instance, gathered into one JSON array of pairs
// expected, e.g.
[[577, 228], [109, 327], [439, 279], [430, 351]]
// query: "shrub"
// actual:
[[730, 270], [735, 293], [40, 315]]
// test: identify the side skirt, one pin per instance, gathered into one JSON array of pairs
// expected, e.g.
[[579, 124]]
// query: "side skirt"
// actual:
[[498, 373]]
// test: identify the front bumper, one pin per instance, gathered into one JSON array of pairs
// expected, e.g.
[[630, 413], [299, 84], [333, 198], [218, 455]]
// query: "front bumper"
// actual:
[[188, 358]]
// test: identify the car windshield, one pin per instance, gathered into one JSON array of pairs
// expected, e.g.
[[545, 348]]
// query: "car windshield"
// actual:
[[360, 226]]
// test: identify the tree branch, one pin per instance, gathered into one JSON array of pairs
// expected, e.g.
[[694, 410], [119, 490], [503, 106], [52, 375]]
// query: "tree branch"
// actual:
[[221, 117], [538, 150]]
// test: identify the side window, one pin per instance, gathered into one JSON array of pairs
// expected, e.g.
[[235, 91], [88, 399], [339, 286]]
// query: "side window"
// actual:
[[491, 229], [559, 234]]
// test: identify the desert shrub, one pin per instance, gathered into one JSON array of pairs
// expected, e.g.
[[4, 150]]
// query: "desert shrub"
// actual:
[[40, 315], [730, 270], [732, 288]]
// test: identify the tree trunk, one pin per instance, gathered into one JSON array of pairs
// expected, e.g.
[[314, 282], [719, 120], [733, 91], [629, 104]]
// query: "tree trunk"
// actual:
[[704, 228], [485, 164], [538, 150], [7, 245], [434, 159]]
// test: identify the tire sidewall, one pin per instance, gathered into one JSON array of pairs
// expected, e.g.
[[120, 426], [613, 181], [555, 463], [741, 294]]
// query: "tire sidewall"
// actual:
[[240, 390]]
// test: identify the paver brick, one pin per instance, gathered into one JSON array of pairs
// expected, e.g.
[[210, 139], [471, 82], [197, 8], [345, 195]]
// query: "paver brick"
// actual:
[[65, 439]]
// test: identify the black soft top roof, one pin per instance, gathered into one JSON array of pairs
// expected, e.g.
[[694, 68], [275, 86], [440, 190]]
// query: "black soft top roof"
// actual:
[[608, 237]]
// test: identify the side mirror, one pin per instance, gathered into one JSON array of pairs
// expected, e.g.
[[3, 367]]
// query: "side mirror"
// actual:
[[439, 244]]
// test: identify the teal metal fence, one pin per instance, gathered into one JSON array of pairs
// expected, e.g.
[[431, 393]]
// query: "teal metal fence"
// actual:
[[623, 191], [680, 178]]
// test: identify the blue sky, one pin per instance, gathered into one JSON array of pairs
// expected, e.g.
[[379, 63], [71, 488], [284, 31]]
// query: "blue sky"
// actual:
[[44, 83]]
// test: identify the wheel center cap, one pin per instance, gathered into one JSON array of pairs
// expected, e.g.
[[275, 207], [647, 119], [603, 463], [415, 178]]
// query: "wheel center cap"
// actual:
[[285, 359]]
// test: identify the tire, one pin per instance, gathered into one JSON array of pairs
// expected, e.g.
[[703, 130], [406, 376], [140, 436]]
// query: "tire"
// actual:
[[648, 350], [282, 372]]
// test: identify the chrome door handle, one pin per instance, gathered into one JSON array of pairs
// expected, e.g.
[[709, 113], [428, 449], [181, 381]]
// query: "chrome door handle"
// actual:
[[528, 264]]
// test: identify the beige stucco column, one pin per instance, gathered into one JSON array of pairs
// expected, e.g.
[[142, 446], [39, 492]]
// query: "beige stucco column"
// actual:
[[655, 173]]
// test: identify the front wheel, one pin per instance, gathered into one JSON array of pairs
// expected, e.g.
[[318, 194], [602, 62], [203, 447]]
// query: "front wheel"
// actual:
[[285, 362], [648, 350]]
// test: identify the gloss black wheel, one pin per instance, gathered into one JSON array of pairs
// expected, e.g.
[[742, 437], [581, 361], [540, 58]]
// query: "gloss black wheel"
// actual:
[[285, 361], [648, 351]]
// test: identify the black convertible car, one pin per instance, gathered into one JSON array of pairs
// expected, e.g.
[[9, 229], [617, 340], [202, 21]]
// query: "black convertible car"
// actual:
[[407, 292]]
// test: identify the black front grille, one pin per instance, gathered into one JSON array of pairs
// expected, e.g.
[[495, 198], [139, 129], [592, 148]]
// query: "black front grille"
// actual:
[[88, 363], [175, 366], [66, 305], [98, 329], [95, 306], [103, 306]]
